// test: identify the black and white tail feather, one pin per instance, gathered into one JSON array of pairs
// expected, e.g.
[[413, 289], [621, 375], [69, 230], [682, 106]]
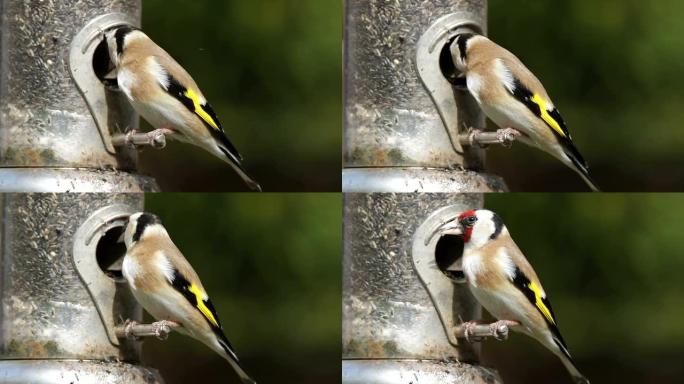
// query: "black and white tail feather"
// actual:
[[232, 358]]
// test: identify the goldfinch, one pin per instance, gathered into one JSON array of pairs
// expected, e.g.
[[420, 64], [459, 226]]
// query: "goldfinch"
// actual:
[[165, 284], [163, 93], [503, 281], [512, 97]]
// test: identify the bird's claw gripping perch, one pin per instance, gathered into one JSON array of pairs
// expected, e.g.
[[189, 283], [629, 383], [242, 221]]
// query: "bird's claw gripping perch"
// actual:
[[473, 331], [133, 330], [155, 139], [478, 137]]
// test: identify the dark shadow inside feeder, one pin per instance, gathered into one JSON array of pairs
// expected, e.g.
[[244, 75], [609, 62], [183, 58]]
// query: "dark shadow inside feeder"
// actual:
[[448, 68], [448, 256], [103, 65], [110, 252]]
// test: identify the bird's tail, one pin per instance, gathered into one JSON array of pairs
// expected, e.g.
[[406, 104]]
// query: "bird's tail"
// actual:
[[584, 173], [229, 355], [234, 162], [580, 166], [577, 377], [568, 362]]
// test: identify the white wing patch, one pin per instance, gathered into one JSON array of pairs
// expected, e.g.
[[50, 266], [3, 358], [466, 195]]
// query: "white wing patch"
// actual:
[[475, 84], [505, 262], [158, 72], [130, 270], [125, 80], [504, 75], [164, 265]]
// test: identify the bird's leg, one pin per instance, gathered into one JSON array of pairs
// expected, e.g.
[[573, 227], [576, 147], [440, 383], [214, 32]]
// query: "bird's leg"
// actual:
[[470, 331], [499, 330], [163, 328], [157, 138], [167, 131], [507, 136]]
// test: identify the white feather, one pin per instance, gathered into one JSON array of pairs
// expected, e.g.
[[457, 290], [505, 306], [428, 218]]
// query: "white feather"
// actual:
[[158, 71], [474, 83], [504, 261], [504, 75], [130, 270], [126, 79], [472, 266], [164, 264]]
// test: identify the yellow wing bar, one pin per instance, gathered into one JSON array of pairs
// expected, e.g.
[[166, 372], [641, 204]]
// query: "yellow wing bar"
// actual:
[[548, 119], [199, 110], [201, 306], [539, 302]]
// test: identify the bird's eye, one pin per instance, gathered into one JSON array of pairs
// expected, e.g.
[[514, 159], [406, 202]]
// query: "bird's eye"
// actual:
[[470, 220]]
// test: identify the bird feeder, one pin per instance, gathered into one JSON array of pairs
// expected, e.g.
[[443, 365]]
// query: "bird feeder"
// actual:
[[405, 124], [401, 311], [57, 119]]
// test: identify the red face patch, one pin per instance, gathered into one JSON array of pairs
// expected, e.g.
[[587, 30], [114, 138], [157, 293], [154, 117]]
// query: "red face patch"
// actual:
[[466, 214], [467, 231]]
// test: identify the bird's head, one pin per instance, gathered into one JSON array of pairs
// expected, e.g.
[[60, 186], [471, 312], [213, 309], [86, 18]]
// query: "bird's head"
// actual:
[[116, 41], [477, 227], [139, 225], [459, 50]]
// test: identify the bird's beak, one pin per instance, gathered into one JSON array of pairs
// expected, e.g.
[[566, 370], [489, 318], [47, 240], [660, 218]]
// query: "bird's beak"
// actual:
[[451, 227]]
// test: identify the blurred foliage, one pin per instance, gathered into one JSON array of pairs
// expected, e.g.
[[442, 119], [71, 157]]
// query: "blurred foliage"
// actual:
[[272, 71], [613, 68], [612, 266], [271, 264]]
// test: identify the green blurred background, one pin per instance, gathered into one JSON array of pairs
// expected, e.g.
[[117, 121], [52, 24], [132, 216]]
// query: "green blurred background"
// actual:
[[612, 266], [272, 71], [271, 264], [614, 69]]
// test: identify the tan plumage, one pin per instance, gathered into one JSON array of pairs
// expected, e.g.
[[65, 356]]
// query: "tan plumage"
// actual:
[[163, 93], [504, 282], [167, 286], [513, 97]]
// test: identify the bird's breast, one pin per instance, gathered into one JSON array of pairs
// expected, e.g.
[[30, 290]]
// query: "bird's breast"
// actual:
[[472, 267]]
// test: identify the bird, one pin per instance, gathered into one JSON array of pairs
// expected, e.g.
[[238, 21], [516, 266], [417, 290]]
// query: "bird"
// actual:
[[513, 97], [168, 288], [504, 283], [165, 95]]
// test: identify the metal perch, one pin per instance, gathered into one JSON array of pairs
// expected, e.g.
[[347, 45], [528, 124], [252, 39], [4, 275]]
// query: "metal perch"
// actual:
[[477, 332], [505, 137], [134, 330], [155, 139]]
